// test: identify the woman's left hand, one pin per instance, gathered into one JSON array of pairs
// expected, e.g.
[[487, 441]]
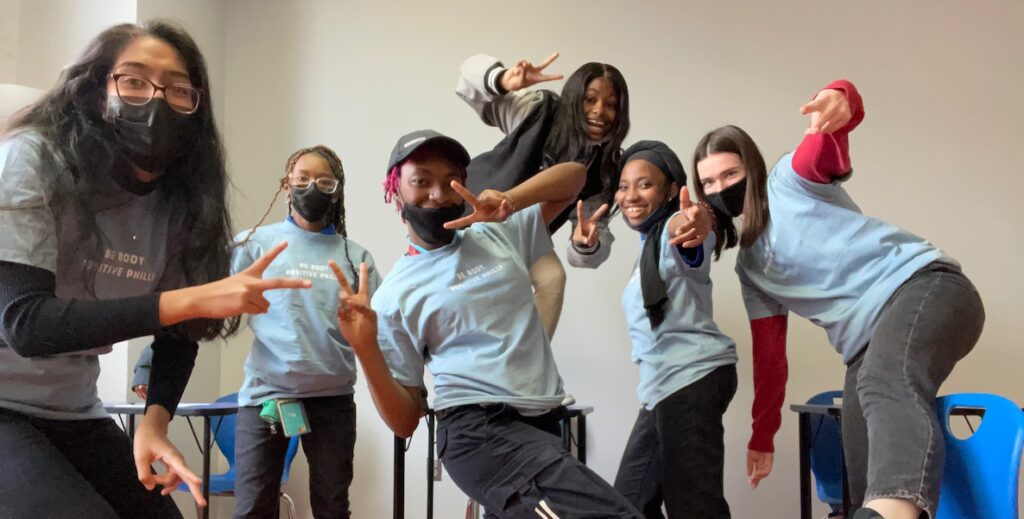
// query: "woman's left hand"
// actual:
[[151, 445], [490, 206], [692, 225], [829, 111]]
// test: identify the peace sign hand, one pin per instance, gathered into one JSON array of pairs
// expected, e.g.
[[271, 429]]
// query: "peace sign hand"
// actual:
[[357, 321], [692, 225], [490, 206], [587, 232], [525, 74], [829, 111], [242, 293]]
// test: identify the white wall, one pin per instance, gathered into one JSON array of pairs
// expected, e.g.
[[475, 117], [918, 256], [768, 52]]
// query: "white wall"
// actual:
[[934, 155], [52, 33], [8, 39]]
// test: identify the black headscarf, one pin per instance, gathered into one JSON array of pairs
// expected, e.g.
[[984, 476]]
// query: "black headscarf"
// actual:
[[654, 291]]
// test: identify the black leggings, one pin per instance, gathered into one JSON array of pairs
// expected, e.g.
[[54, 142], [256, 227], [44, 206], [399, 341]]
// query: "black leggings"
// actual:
[[72, 468]]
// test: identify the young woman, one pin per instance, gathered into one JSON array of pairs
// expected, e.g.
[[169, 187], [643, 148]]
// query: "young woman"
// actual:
[[460, 304], [298, 352], [675, 455], [899, 311], [115, 226]]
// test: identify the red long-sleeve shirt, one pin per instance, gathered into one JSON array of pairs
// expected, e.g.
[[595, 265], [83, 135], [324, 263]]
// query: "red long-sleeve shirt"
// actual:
[[820, 158]]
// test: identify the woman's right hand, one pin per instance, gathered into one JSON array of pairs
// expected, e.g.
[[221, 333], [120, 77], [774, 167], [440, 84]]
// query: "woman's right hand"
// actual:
[[525, 74], [239, 294], [587, 233], [356, 319]]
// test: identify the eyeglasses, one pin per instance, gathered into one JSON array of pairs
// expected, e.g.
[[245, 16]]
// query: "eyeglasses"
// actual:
[[326, 185], [137, 91]]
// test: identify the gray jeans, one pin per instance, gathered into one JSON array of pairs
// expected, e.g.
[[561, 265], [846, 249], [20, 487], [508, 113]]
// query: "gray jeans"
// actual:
[[891, 436]]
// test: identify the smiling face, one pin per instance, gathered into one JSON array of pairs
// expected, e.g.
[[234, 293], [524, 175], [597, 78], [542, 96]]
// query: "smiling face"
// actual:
[[425, 181], [719, 171], [600, 107], [643, 188]]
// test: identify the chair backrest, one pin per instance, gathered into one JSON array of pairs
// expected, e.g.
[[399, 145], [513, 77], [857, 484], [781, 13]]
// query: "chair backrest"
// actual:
[[223, 428], [827, 451], [981, 472], [224, 436]]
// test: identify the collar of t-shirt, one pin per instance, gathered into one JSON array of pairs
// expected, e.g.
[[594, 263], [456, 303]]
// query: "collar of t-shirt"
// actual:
[[326, 230]]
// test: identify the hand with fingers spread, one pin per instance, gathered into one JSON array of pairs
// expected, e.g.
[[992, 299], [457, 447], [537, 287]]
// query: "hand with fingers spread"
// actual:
[[490, 206], [151, 445], [759, 465], [692, 225], [829, 111], [525, 74], [239, 294], [356, 319], [587, 231]]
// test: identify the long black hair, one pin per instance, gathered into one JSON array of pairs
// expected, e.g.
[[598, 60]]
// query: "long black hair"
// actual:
[[568, 139], [70, 118]]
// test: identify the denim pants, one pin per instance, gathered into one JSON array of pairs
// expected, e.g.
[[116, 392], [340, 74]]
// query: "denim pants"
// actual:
[[516, 467], [329, 447], [676, 452], [893, 445], [72, 468]]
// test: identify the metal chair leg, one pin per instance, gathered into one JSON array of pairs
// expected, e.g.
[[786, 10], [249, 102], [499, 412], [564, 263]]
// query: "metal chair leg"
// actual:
[[291, 506], [472, 510]]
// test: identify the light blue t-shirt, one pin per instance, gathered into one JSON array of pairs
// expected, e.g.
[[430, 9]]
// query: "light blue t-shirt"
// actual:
[[466, 311], [688, 344], [298, 350], [823, 259], [137, 232]]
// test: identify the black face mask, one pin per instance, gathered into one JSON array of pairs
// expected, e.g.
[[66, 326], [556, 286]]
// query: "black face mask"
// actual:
[[729, 201], [311, 203], [659, 214], [428, 223], [151, 135]]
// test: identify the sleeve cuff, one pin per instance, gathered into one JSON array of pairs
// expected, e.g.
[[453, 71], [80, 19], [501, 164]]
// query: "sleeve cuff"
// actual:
[[492, 79], [586, 251]]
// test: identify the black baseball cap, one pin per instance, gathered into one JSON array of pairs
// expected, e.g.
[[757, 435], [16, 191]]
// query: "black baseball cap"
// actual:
[[411, 142]]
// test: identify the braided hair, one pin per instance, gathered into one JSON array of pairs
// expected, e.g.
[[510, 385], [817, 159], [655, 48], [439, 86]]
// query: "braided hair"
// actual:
[[335, 216]]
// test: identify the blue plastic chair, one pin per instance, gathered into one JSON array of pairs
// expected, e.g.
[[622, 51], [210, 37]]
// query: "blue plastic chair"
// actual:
[[827, 452], [981, 473], [223, 428]]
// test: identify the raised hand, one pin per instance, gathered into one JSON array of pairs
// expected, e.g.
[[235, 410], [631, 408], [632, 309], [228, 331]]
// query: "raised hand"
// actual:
[[829, 111], [242, 293], [357, 321], [759, 465], [490, 206], [692, 225], [525, 74], [587, 231]]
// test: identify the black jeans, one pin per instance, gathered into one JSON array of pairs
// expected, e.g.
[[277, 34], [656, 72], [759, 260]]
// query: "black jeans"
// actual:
[[676, 453], [515, 466], [891, 437], [329, 446], [72, 468]]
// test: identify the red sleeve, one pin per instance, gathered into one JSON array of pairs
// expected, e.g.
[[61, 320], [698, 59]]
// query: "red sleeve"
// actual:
[[823, 157], [770, 374]]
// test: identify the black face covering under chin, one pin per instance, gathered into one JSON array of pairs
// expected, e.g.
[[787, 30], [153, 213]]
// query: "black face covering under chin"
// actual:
[[151, 135], [311, 203], [729, 201], [428, 222]]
